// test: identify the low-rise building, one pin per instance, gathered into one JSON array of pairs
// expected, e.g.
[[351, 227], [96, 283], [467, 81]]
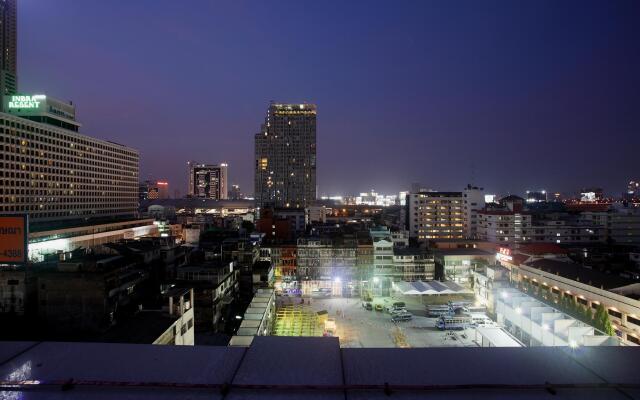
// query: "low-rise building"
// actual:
[[549, 267], [172, 323], [258, 319], [16, 289], [65, 238], [537, 324], [84, 294], [413, 264], [458, 264], [215, 286]]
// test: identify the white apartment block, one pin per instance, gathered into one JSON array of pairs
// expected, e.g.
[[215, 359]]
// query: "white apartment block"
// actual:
[[519, 227], [473, 202]]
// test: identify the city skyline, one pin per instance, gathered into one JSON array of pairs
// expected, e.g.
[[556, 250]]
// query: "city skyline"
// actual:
[[395, 90], [491, 144]]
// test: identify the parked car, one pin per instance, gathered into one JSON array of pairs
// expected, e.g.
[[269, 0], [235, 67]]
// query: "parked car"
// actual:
[[393, 309], [402, 316]]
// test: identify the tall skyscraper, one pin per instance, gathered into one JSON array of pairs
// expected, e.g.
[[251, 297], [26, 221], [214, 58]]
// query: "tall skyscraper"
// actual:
[[285, 156], [208, 181], [9, 43]]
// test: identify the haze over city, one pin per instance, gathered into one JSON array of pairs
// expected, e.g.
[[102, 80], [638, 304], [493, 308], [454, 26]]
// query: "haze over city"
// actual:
[[252, 199], [507, 95]]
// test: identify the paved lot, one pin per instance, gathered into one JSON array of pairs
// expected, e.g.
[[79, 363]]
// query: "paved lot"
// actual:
[[357, 327]]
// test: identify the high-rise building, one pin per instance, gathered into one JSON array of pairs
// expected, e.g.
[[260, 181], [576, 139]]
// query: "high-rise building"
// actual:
[[208, 181], [285, 156], [153, 190], [9, 43], [235, 193], [53, 173]]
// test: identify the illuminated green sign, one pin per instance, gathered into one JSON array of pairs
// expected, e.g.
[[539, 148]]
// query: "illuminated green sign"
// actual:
[[22, 101]]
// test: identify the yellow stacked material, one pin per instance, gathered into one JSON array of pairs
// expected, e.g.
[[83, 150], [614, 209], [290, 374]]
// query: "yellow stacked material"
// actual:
[[297, 320], [399, 338]]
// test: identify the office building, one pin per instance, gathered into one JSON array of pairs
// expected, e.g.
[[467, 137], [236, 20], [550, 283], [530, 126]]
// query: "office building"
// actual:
[[208, 181], [8, 41], [54, 173], [285, 156], [436, 215]]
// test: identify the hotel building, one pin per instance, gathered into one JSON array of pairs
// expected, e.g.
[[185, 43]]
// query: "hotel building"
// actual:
[[285, 156], [54, 173]]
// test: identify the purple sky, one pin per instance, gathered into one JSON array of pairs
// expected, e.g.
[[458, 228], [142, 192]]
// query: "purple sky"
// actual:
[[508, 94]]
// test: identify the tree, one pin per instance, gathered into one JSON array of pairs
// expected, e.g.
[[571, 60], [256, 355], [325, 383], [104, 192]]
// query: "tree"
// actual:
[[603, 322], [586, 315], [575, 307], [589, 314], [608, 327]]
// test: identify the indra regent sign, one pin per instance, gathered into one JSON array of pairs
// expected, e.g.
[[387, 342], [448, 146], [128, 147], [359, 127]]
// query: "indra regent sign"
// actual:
[[22, 101]]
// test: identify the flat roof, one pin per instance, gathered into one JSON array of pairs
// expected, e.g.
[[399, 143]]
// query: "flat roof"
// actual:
[[467, 251], [38, 229], [316, 368], [143, 328], [579, 273], [198, 203], [497, 336]]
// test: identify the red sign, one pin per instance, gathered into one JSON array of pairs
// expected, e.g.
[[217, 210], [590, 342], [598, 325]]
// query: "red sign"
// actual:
[[505, 251], [13, 239]]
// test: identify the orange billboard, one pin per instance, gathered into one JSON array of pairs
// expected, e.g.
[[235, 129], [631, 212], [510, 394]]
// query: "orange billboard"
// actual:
[[13, 239]]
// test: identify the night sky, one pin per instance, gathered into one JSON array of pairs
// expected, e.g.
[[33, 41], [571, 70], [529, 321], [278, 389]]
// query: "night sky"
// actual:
[[508, 94]]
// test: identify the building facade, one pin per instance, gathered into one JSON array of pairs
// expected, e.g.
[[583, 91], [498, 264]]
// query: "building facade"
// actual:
[[473, 202], [153, 190], [9, 43], [285, 156], [56, 174], [436, 215], [208, 181]]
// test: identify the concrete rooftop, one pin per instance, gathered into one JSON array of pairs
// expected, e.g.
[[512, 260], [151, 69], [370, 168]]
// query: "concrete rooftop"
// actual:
[[312, 368]]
